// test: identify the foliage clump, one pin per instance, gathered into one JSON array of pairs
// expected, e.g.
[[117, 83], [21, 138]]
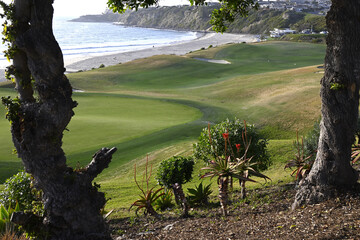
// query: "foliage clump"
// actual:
[[207, 150], [5, 216], [173, 173], [311, 141], [229, 166], [302, 161], [148, 195], [177, 169], [18, 190], [199, 195], [164, 201]]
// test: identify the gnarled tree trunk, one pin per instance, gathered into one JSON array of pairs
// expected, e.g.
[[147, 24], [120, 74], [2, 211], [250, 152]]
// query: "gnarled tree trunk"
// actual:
[[72, 204], [223, 193], [180, 198], [340, 100]]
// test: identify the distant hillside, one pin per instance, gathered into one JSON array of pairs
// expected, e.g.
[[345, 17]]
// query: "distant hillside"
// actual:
[[197, 18]]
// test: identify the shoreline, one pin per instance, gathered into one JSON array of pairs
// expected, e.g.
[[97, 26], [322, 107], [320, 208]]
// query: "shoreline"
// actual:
[[204, 40]]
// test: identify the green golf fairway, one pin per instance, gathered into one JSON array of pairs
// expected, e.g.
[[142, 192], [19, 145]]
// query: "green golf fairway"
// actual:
[[103, 120]]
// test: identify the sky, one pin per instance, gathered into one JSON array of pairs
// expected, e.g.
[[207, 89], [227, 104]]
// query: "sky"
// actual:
[[75, 8]]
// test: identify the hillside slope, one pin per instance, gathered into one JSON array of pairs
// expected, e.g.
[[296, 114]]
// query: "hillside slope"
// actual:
[[197, 18]]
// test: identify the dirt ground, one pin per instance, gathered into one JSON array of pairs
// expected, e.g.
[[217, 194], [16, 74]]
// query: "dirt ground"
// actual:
[[266, 215]]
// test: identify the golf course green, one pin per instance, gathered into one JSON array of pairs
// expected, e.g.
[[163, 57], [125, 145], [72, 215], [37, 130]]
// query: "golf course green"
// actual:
[[159, 105]]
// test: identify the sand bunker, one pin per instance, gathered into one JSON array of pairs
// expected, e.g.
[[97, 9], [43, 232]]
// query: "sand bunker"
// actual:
[[213, 60]]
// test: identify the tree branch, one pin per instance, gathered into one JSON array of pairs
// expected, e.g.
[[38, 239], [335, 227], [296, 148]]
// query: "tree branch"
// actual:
[[100, 161]]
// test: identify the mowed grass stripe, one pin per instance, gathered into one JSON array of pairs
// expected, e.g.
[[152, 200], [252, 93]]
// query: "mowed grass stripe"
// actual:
[[140, 146], [107, 119], [174, 72]]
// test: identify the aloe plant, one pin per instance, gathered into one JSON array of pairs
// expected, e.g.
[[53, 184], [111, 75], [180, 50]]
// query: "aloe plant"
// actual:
[[165, 201], [200, 194], [5, 216], [148, 195], [301, 162]]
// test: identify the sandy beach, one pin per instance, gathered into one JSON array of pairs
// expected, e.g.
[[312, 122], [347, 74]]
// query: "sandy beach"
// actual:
[[204, 41]]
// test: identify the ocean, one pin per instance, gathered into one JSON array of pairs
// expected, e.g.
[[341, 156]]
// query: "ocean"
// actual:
[[80, 40]]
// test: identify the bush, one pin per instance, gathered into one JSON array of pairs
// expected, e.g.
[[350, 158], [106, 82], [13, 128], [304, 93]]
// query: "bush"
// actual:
[[200, 194], [203, 149], [174, 172], [165, 201], [302, 161], [311, 141], [18, 190], [177, 169], [5, 218], [148, 195]]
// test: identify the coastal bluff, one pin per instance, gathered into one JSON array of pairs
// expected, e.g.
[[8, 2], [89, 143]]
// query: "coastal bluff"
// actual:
[[196, 18]]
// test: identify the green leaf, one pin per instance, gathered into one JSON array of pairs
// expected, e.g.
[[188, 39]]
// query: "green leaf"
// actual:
[[2, 225], [17, 207], [3, 213]]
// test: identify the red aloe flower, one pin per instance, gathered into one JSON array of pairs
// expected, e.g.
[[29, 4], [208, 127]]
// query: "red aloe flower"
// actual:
[[238, 147], [225, 135]]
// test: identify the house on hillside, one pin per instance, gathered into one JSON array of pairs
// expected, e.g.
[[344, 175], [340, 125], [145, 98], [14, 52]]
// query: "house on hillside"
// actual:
[[280, 32]]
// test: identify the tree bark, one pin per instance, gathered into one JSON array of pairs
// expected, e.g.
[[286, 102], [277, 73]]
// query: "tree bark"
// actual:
[[180, 198], [223, 193], [72, 204], [243, 189], [340, 100]]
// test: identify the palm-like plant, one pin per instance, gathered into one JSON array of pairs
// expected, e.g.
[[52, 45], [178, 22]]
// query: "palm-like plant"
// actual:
[[223, 169], [165, 201], [200, 194], [226, 167], [301, 162], [148, 195]]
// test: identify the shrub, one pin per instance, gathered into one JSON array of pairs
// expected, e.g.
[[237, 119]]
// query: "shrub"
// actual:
[[148, 195], [311, 141], [200, 194], [205, 150], [101, 66], [5, 216], [302, 162], [18, 190], [165, 201], [174, 172], [177, 169], [226, 167]]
